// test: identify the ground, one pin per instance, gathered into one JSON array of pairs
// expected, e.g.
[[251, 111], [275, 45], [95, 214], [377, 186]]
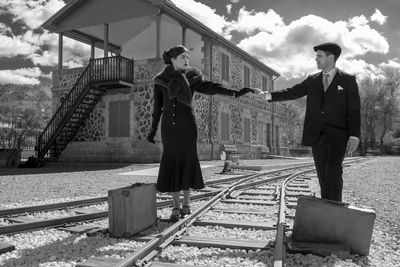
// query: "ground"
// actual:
[[375, 183]]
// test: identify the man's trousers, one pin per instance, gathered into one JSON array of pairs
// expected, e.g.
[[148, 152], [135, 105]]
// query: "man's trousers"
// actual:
[[328, 159]]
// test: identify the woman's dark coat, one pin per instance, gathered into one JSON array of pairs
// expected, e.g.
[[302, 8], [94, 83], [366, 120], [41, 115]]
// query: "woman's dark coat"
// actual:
[[173, 94]]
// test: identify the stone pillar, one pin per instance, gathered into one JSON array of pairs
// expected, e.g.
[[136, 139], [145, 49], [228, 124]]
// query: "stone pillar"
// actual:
[[158, 37], [60, 52]]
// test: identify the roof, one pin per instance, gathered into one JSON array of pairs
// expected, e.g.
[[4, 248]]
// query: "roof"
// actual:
[[167, 7]]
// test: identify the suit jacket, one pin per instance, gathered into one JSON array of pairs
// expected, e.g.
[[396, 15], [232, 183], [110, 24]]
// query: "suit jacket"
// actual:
[[334, 113]]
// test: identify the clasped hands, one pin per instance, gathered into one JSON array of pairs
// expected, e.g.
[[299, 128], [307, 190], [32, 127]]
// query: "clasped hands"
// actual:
[[257, 91]]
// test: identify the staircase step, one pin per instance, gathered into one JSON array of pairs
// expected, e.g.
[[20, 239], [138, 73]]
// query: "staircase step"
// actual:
[[79, 115], [76, 120], [93, 96], [64, 140], [72, 124]]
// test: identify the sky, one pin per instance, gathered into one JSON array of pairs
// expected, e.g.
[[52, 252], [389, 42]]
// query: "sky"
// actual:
[[280, 33]]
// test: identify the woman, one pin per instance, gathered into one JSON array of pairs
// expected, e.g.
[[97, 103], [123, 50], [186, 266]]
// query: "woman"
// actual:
[[173, 91]]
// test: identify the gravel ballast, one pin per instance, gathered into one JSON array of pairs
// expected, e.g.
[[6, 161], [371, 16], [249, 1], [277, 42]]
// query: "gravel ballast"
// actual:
[[373, 183]]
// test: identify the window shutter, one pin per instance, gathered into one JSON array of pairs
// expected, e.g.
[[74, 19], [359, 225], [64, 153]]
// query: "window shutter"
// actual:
[[119, 118]]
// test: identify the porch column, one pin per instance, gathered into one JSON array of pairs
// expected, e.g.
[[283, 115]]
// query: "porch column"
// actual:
[[273, 128], [92, 47], [158, 36], [184, 28], [106, 40], [60, 52]]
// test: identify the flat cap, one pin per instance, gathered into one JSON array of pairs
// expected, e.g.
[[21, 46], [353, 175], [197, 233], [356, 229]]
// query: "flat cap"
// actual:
[[334, 48]]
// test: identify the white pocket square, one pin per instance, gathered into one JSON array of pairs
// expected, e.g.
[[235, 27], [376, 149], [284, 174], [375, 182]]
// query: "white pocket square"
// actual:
[[340, 88]]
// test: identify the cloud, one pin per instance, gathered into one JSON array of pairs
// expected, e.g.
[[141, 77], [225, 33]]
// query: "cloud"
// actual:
[[32, 12], [11, 46], [358, 21], [205, 15], [251, 21], [288, 48], [5, 30], [364, 39], [392, 63], [21, 76], [229, 8], [285, 47], [75, 54], [378, 17]]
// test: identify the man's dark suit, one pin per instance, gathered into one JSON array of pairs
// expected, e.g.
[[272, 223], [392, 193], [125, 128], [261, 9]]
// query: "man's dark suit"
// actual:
[[331, 117]]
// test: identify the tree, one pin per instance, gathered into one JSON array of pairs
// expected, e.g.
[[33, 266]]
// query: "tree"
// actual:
[[368, 96], [388, 102], [379, 106], [295, 113], [24, 110]]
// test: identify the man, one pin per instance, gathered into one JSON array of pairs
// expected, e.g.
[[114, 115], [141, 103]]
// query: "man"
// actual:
[[332, 120]]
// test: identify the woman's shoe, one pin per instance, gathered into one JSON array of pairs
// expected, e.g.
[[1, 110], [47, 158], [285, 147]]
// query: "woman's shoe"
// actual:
[[175, 215], [185, 211]]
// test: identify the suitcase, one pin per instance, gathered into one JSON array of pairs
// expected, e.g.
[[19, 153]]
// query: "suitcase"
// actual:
[[331, 222], [131, 209]]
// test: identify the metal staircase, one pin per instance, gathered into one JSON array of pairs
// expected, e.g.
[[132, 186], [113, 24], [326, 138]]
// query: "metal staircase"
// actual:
[[101, 74]]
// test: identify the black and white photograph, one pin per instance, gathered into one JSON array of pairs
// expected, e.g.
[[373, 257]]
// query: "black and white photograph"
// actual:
[[199, 133]]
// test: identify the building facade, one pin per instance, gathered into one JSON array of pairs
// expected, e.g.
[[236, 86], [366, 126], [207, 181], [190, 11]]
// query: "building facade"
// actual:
[[115, 130]]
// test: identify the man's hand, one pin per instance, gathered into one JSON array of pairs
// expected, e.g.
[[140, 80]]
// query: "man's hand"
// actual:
[[150, 139], [267, 96], [256, 91], [352, 144]]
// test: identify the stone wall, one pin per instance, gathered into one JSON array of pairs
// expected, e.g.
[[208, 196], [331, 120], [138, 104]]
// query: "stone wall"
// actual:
[[92, 143]]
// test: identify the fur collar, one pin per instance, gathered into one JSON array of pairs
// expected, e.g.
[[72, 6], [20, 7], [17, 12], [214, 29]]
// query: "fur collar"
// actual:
[[178, 83]]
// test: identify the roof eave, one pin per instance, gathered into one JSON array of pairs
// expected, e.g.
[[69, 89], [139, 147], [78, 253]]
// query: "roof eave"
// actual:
[[50, 23]]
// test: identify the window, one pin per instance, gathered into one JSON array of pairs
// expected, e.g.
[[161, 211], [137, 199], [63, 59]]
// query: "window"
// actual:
[[195, 44], [264, 83], [246, 76], [269, 135], [225, 67], [224, 126], [119, 118], [260, 132], [246, 130], [277, 136]]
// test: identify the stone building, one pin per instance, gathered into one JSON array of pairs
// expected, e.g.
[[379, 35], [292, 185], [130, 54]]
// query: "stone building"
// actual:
[[102, 111]]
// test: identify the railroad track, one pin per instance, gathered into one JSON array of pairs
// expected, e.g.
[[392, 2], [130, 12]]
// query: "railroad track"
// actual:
[[21, 220], [266, 197]]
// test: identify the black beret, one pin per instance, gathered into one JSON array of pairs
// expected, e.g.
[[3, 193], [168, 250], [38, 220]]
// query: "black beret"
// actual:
[[331, 47]]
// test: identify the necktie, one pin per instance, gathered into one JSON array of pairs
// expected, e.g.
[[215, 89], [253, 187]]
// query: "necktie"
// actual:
[[325, 81]]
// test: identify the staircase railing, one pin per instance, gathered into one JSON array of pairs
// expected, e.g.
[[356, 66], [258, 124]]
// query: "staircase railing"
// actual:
[[98, 70]]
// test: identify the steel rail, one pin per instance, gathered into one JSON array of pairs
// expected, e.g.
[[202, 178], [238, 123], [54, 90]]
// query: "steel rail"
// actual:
[[279, 250], [54, 206], [169, 234], [22, 227], [150, 249], [90, 201], [30, 226]]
